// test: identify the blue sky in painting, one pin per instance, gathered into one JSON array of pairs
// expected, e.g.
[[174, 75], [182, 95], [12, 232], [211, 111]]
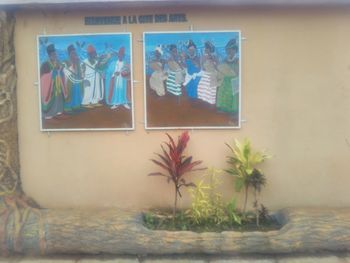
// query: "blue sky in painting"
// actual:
[[103, 43], [218, 39]]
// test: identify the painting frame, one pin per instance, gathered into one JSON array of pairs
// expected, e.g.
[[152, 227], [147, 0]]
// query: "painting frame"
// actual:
[[192, 127], [130, 80]]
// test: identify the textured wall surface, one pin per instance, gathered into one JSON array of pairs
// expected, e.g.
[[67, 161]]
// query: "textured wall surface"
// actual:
[[9, 162], [295, 92]]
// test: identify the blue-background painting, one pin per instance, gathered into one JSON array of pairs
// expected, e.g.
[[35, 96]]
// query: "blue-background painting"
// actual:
[[106, 43], [180, 39], [90, 88], [192, 79]]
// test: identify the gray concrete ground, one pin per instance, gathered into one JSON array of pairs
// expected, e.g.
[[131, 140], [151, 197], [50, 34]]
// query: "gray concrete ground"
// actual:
[[305, 258]]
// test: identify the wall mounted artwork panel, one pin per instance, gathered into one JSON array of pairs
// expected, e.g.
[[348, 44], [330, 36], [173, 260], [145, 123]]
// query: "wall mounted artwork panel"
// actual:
[[192, 80], [85, 82]]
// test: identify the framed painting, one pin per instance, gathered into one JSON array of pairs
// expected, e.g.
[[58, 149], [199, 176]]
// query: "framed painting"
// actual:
[[85, 82], [192, 80]]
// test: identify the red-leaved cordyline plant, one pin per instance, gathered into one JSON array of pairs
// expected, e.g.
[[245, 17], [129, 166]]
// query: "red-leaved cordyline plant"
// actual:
[[176, 164]]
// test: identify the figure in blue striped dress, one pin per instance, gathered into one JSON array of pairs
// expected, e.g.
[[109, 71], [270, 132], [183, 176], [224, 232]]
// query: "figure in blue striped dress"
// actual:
[[193, 71], [176, 73], [208, 84]]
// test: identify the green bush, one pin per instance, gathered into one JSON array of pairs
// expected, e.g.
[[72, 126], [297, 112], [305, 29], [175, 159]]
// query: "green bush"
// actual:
[[243, 161], [207, 207]]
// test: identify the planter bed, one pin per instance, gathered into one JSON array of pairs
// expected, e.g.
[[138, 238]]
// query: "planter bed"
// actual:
[[112, 231], [163, 220]]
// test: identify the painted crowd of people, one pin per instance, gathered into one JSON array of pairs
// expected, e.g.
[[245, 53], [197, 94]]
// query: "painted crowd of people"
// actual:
[[199, 77], [75, 85]]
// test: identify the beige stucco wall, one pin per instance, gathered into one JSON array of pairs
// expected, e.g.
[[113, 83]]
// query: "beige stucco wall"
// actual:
[[296, 104]]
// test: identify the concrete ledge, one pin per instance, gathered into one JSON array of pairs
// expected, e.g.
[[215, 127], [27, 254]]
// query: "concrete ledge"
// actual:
[[120, 232], [325, 258]]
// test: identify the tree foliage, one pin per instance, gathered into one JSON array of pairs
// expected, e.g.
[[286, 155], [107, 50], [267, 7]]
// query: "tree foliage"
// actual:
[[243, 161], [175, 164]]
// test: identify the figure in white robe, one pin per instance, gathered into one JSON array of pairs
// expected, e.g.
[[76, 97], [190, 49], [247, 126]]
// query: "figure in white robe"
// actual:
[[118, 85], [93, 81]]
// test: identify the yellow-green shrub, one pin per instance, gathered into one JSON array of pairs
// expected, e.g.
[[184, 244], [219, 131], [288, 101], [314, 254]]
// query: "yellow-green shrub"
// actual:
[[207, 206]]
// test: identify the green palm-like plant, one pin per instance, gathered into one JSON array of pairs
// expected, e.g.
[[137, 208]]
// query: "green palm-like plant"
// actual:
[[242, 165]]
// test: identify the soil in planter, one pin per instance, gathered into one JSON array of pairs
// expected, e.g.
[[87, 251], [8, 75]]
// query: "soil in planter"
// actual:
[[163, 220]]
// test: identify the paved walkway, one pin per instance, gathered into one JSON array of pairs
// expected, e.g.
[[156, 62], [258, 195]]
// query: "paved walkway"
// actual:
[[317, 258]]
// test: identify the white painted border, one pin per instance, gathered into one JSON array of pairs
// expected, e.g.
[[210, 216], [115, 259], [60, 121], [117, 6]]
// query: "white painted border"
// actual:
[[198, 127], [132, 128]]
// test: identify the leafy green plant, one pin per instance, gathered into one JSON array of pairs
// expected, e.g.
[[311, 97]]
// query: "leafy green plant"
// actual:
[[207, 207], [200, 207], [149, 220], [232, 213], [176, 164], [242, 163], [264, 213], [257, 180]]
